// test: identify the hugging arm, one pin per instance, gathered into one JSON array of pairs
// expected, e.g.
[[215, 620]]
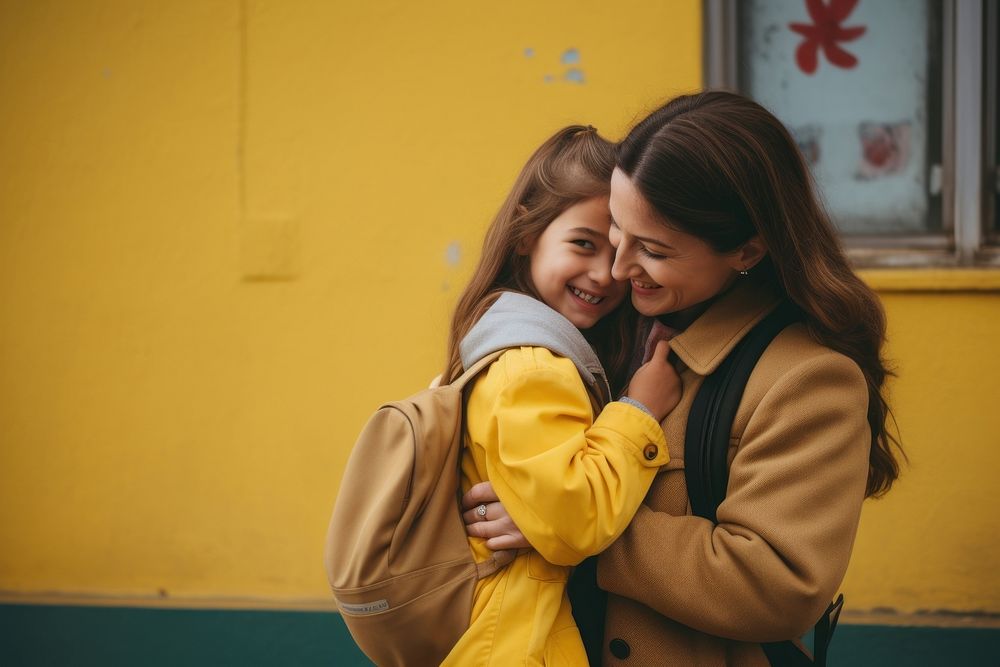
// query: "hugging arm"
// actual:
[[496, 527], [570, 485], [569, 481]]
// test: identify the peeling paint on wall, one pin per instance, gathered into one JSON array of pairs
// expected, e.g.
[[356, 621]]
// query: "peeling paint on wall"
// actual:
[[453, 253], [569, 58]]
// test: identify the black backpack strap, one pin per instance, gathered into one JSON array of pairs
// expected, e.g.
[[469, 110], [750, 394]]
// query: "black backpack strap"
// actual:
[[787, 654], [706, 450], [824, 630], [589, 603], [706, 441]]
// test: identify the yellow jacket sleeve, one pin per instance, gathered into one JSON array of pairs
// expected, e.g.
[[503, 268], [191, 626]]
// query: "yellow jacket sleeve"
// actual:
[[570, 483]]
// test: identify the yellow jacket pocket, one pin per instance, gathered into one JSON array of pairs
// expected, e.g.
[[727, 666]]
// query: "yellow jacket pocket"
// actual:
[[542, 570]]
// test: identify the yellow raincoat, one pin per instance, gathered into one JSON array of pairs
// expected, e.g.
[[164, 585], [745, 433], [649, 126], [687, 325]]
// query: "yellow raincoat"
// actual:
[[571, 484]]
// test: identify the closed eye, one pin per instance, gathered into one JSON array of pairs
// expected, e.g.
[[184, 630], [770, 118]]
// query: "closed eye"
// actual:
[[652, 255]]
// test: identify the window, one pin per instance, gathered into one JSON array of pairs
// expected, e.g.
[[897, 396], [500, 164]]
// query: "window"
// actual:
[[894, 105]]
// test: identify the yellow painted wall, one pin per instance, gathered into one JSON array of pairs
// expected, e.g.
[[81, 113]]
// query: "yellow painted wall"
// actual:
[[228, 230], [931, 544], [225, 231]]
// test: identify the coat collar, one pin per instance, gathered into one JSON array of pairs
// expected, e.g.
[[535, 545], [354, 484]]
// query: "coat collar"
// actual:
[[707, 341]]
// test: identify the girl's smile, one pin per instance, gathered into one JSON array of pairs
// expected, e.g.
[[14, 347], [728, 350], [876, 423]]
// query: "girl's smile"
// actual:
[[586, 297]]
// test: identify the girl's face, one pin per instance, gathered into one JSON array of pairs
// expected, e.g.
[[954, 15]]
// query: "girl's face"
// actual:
[[571, 264], [669, 269]]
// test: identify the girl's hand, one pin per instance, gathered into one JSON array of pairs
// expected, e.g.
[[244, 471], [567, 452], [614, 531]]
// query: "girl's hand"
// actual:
[[656, 384], [497, 528]]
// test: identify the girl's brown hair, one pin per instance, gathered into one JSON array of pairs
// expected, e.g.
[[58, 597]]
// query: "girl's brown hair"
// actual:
[[721, 167], [573, 165]]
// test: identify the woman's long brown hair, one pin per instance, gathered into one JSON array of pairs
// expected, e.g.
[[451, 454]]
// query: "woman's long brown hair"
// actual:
[[721, 167], [573, 165]]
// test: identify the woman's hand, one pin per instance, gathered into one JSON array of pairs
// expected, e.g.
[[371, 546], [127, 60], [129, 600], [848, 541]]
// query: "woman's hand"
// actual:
[[656, 384], [496, 527]]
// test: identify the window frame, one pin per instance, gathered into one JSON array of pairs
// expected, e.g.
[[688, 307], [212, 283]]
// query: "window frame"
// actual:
[[969, 175]]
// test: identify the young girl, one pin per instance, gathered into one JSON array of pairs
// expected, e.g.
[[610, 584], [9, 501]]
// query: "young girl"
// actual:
[[543, 291]]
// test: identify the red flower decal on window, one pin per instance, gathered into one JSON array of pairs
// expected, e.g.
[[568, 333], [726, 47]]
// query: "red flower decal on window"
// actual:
[[824, 32]]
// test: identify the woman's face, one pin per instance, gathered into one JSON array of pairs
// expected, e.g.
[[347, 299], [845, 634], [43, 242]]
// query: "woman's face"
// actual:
[[670, 270]]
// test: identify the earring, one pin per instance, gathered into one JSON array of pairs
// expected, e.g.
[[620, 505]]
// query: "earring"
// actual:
[[744, 272]]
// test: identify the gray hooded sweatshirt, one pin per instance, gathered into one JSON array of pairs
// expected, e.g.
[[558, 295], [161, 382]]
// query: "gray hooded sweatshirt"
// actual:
[[517, 320]]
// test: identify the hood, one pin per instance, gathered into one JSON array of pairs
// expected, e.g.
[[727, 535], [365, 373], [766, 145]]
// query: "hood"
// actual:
[[517, 320]]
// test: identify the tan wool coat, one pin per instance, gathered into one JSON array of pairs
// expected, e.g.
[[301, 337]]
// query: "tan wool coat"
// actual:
[[683, 591]]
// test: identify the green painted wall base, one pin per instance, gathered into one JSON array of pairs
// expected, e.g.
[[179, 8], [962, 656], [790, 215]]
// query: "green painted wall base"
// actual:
[[39, 635], [105, 636]]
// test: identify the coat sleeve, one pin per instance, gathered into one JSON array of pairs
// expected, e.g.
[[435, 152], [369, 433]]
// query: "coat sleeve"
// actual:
[[769, 568], [570, 483]]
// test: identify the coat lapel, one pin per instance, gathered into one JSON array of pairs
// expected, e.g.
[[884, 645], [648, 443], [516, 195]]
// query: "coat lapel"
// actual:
[[705, 344], [701, 348]]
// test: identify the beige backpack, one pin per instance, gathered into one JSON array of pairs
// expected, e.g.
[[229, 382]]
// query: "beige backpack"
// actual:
[[397, 555]]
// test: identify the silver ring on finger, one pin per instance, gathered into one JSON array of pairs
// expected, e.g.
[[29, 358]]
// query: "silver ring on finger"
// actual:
[[481, 511]]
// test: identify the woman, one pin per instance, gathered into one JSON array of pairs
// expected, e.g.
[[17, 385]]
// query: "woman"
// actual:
[[716, 224]]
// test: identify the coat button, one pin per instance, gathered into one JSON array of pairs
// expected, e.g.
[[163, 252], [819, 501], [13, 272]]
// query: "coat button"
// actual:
[[619, 647], [650, 452]]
